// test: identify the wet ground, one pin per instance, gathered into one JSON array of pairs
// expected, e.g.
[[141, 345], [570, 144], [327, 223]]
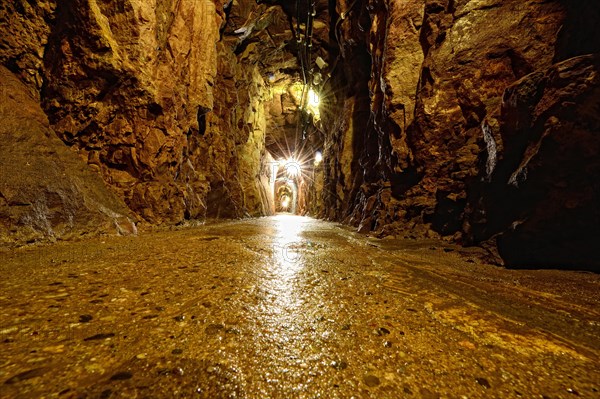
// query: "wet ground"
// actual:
[[289, 307]]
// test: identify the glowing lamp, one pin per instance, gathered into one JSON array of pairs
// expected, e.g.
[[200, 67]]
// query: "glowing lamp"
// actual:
[[318, 157], [292, 167]]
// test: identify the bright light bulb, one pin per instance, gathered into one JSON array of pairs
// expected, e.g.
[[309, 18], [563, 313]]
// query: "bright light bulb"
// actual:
[[318, 157], [285, 202], [292, 168]]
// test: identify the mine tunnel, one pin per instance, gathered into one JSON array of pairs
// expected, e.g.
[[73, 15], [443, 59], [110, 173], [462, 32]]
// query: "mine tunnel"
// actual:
[[300, 199]]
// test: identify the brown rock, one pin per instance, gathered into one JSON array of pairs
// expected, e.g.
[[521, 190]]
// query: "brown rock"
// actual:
[[437, 71], [539, 200], [47, 192], [131, 87], [473, 52], [24, 31]]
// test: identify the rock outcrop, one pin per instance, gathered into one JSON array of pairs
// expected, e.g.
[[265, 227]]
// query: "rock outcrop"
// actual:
[[130, 86], [237, 162], [46, 191], [537, 198], [438, 74], [127, 84], [436, 71], [24, 32]]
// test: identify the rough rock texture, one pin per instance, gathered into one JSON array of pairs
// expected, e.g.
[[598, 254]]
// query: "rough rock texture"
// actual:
[[537, 195], [126, 84], [282, 122], [130, 85], [473, 52], [46, 191], [438, 73], [346, 115], [457, 58], [237, 161], [24, 32]]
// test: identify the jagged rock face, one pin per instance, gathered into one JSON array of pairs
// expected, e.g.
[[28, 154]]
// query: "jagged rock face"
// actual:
[[260, 37], [24, 32], [237, 164], [473, 52], [130, 86], [537, 196], [125, 84], [438, 72], [46, 191], [346, 114]]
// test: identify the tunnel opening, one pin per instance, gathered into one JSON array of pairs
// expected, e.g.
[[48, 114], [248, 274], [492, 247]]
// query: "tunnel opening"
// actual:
[[286, 197], [287, 179]]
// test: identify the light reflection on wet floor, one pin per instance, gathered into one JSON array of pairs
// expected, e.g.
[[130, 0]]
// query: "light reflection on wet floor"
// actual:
[[283, 268], [288, 243], [289, 307]]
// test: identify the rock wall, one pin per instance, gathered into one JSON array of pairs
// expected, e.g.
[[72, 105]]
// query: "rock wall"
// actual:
[[24, 32], [46, 191], [345, 112], [135, 94], [439, 71], [540, 197], [238, 163], [130, 86]]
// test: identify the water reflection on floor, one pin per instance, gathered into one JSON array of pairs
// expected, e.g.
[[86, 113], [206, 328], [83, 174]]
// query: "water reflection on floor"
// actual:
[[283, 269], [289, 307], [288, 243]]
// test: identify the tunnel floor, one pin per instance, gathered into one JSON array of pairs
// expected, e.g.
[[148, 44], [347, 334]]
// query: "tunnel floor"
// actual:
[[289, 307]]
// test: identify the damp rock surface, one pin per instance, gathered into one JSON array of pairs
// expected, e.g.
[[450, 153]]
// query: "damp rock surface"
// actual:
[[440, 97], [46, 191], [259, 313], [151, 97], [538, 201]]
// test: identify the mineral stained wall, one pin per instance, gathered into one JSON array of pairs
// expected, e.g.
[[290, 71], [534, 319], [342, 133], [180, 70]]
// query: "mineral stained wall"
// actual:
[[46, 191]]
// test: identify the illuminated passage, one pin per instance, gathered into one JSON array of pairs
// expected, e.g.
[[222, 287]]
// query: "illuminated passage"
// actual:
[[289, 307]]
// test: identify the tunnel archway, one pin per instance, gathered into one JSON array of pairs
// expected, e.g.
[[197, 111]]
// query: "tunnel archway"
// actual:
[[286, 196], [286, 177]]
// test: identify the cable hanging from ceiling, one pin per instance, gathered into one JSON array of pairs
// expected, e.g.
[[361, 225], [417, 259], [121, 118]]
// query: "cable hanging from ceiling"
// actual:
[[304, 45]]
